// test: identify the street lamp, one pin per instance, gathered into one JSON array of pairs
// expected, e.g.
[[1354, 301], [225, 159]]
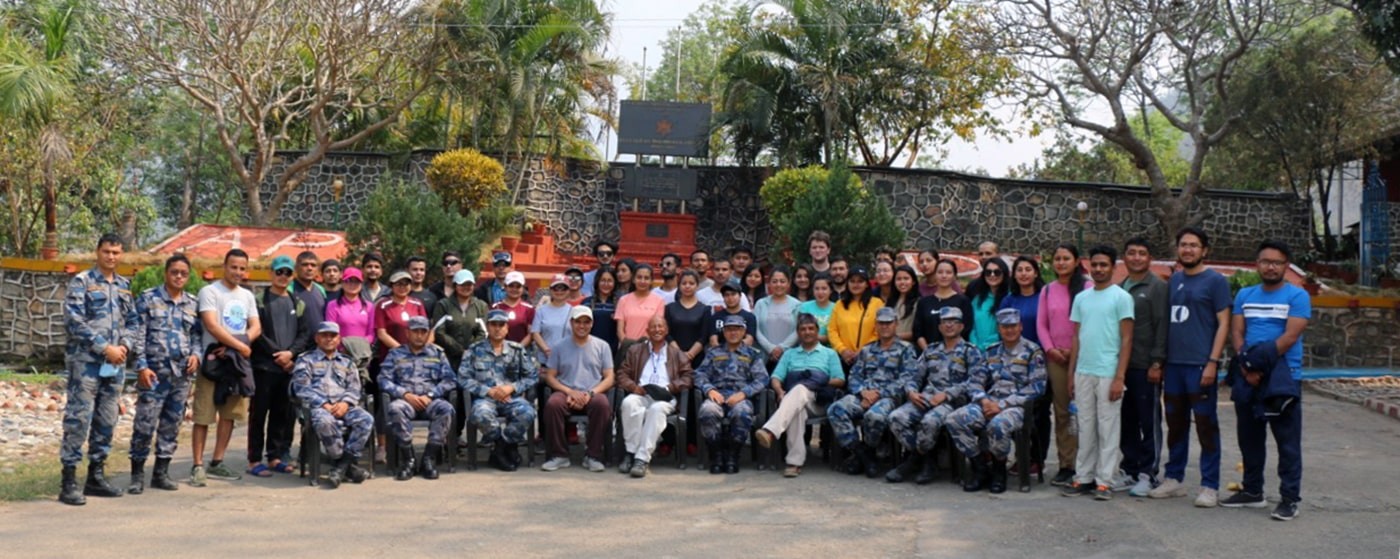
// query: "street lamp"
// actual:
[[338, 190], [1082, 209]]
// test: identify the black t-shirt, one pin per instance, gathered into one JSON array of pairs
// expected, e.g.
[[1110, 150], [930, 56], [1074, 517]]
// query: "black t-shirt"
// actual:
[[688, 326], [926, 317]]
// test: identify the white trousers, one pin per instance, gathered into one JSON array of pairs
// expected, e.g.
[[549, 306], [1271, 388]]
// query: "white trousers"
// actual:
[[791, 418], [1100, 426], [643, 421]]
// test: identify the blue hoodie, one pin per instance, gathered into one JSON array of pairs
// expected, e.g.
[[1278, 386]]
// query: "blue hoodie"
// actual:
[[1277, 391]]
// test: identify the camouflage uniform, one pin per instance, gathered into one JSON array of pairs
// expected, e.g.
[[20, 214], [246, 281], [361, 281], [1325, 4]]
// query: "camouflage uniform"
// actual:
[[482, 370], [318, 380], [941, 370], [882, 370], [1012, 377], [727, 371], [169, 335], [96, 313], [426, 373]]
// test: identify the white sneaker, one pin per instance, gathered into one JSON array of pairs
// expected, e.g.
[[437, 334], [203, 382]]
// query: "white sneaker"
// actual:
[[1168, 489], [1121, 482], [1142, 487], [556, 463], [1207, 498], [593, 465]]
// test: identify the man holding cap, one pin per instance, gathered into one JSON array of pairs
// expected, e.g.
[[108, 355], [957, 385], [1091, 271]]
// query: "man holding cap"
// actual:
[[418, 377], [876, 380], [520, 311], [653, 374], [494, 290], [1014, 375], [803, 374], [328, 384], [731, 375], [580, 371], [500, 375], [937, 389]]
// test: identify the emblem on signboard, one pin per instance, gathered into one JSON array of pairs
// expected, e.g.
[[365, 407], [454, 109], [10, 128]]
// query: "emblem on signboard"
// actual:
[[663, 127]]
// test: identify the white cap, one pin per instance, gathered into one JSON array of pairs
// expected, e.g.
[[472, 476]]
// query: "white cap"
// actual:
[[515, 277], [579, 312]]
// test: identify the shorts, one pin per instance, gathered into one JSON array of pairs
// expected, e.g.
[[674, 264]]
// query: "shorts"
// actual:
[[235, 408]]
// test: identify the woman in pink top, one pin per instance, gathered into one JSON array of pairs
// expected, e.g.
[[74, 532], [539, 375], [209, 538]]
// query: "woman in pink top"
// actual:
[[1056, 334], [351, 311], [635, 309]]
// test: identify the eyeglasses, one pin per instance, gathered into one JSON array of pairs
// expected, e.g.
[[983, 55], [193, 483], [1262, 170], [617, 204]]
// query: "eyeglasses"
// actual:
[[451, 262], [179, 273], [283, 272], [1273, 263]]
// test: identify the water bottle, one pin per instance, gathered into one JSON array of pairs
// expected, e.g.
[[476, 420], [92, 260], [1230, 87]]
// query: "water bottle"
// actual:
[[1073, 420]]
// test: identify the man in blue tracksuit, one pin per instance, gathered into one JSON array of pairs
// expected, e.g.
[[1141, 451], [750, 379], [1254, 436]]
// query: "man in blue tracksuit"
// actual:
[[1267, 333]]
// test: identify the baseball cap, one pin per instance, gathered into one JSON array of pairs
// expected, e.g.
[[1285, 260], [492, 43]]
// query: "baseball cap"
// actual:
[[500, 258], [463, 276], [580, 312], [283, 262], [858, 271], [497, 315], [954, 313], [352, 274], [515, 277], [728, 288], [328, 327], [399, 276], [1008, 317], [559, 279], [419, 323], [735, 320], [886, 314]]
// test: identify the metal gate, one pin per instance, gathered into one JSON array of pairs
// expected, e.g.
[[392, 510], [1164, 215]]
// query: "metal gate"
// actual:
[[1375, 226]]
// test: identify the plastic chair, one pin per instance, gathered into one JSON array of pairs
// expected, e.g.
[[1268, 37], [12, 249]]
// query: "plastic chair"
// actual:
[[678, 420]]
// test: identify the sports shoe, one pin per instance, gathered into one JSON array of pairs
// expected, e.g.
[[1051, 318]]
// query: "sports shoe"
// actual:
[[1207, 498], [1122, 482], [556, 463], [593, 464], [1077, 489], [764, 438], [198, 477], [639, 468], [625, 465], [1168, 489], [1102, 493], [1063, 478], [1142, 487], [1285, 511], [792, 471], [220, 471], [1245, 499]]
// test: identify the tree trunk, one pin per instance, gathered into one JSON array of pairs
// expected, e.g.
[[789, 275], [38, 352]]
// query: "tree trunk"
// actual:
[[49, 250]]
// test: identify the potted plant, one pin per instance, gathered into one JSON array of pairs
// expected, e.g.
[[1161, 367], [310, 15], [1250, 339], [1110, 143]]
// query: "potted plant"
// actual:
[[1310, 284]]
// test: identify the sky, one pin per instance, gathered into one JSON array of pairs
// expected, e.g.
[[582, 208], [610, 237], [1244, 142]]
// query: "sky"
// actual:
[[639, 24]]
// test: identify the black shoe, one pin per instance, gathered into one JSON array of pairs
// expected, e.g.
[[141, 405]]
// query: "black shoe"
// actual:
[[430, 458], [160, 476], [854, 463], [512, 455], [407, 464], [998, 484], [1245, 499], [870, 462], [97, 485], [70, 494], [354, 472], [928, 471], [138, 477], [1063, 478], [624, 466], [338, 470], [976, 479], [716, 457], [1077, 489], [731, 458], [498, 458], [1285, 511], [905, 468]]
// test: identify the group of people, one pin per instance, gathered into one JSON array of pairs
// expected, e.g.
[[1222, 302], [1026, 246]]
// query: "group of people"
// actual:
[[892, 349]]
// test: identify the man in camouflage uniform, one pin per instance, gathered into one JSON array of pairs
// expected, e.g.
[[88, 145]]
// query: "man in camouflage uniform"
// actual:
[[1014, 376], [167, 355], [328, 384], [419, 379], [876, 381], [937, 389], [500, 375], [101, 321], [731, 375]]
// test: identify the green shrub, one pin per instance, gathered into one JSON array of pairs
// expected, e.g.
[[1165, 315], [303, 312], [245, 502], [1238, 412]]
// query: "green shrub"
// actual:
[[782, 190], [838, 204], [154, 275], [401, 219], [466, 180], [1242, 279], [498, 218]]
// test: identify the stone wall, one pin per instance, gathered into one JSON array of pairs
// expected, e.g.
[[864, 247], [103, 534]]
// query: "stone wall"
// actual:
[[1363, 337], [1394, 232], [313, 203], [31, 305]]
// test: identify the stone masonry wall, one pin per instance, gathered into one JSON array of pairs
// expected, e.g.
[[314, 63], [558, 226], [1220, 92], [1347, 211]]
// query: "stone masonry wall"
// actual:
[[31, 307], [1353, 338]]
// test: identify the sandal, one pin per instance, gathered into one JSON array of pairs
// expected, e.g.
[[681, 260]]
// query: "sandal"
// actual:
[[284, 468], [260, 470], [792, 471]]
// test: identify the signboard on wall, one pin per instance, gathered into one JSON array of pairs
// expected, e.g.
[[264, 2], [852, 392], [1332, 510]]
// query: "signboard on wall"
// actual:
[[658, 183], [664, 128]]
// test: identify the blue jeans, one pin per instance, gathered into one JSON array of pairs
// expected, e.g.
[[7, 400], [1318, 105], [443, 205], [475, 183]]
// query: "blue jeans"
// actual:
[[1184, 400]]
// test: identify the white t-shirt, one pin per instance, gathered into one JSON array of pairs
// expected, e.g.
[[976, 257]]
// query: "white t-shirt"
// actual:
[[654, 372], [668, 296], [715, 300], [235, 306]]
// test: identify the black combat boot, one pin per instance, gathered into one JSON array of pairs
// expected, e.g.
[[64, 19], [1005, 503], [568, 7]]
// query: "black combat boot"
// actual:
[[354, 472], [511, 454], [855, 463], [928, 470], [998, 484], [338, 469], [905, 468], [731, 457], [976, 479], [871, 462], [406, 464], [97, 485], [160, 475], [70, 495], [430, 458], [716, 449], [138, 477]]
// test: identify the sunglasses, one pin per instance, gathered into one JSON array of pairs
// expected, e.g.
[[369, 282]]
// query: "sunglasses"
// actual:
[[605, 253], [451, 262], [282, 272], [994, 272]]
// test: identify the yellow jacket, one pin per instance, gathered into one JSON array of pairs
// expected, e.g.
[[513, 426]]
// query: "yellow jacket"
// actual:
[[851, 328]]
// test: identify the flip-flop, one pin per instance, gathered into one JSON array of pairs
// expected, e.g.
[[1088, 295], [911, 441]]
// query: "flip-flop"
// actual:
[[260, 470], [283, 467]]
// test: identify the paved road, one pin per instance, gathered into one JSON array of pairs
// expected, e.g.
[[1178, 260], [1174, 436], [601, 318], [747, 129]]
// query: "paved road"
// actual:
[[1351, 509]]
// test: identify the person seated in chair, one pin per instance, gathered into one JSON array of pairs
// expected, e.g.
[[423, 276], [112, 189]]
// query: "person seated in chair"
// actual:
[[935, 391], [328, 384], [1014, 376], [418, 378], [730, 377], [652, 375], [877, 379], [500, 375], [804, 376], [580, 371]]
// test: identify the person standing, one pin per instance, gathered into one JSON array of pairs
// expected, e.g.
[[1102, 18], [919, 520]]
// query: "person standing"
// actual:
[[550, 326], [494, 290], [603, 303], [670, 267], [776, 316], [700, 262], [741, 257], [1024, 296], [1267, 329], [229, 314], [852, 322], [986, 294], [372, 264], [521, 312], [467, 324], [100, 318], [391, 316], [445, 288], [635, 309], [167, 356], [604, 251], [928, 312], [306, 288], [687, 320], [1056, 334], [286, 334], [1098, 365], [330, 278], [1200, 323], [418, 272], [821, 305], [819, 250], [351, 308], [653, 375], [714, 296], [1142, 403]]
